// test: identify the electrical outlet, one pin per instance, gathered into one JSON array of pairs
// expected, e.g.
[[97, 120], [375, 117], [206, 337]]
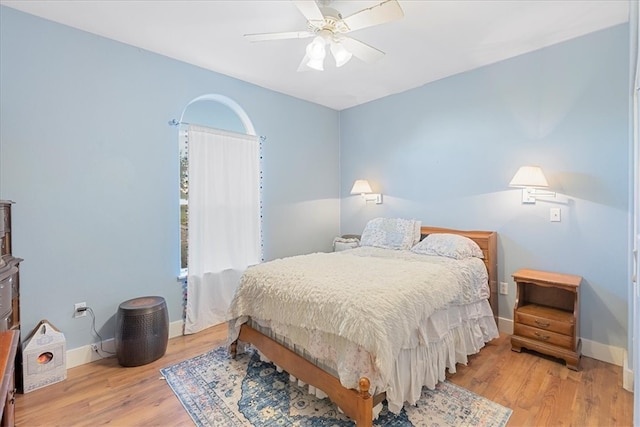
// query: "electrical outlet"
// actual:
[[504, 288], [77, 306], [94, 348]]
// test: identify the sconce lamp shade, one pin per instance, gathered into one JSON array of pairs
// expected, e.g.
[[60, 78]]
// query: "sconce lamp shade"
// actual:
[[529, 177], [361, 186]]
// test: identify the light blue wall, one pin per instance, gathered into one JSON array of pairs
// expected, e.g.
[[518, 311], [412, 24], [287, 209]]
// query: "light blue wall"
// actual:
[[445, 153], [86, 152], [87, 155]]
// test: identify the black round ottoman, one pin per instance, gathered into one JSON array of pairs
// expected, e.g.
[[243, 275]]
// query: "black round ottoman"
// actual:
[[142, 330]]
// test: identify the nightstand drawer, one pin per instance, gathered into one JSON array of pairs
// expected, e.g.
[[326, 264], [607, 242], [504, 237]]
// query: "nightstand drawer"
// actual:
[[543, 336], [546, 318]]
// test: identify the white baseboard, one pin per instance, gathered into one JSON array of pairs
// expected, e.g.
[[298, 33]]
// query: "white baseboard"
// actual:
[[604, 352], [85, 354], [505, 325], [627, 374], [176, 328]]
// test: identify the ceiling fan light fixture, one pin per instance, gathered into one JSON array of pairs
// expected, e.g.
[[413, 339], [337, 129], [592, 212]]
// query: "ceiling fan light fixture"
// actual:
[[316, 53], [340, 54], [316, 49], [316, 64], [327, 26]]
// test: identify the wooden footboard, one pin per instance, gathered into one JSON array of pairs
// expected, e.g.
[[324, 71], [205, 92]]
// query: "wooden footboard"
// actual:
[[356, 404]]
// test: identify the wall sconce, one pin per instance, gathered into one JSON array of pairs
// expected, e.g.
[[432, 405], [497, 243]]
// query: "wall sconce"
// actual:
[[531, 179], [362, 187]]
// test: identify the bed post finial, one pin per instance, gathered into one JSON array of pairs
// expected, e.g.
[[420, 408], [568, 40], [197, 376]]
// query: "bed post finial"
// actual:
[[364, 413], [364, 384]]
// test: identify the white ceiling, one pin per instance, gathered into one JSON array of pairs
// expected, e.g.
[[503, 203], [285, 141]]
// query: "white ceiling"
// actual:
[[435, 39]]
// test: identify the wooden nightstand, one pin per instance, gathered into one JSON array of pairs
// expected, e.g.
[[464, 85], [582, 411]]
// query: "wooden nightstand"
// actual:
[[546, 313]]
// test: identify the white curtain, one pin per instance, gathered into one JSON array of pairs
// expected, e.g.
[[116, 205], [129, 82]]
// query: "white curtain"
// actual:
[[224, 221]]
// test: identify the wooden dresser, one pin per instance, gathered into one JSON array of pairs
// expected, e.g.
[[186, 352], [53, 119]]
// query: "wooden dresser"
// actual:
[[546, 314], [9, 273], [8, 350], [10, 354]]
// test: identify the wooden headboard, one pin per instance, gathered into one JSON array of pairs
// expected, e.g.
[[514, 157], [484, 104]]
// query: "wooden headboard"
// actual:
[[488, 242]]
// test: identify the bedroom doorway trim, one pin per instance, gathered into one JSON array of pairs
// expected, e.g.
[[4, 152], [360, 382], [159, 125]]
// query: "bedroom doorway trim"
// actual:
[[633, 356]]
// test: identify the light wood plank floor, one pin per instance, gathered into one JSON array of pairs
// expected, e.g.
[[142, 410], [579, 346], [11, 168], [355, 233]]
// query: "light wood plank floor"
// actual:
[[541, 391]]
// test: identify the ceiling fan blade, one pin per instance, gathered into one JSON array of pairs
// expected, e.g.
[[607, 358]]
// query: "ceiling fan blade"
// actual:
[[310, 10], [278, 36], [386, 11], [361, 50]]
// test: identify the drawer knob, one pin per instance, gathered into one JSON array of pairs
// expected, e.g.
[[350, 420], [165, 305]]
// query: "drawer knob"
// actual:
[[542, 337], [542, 324]]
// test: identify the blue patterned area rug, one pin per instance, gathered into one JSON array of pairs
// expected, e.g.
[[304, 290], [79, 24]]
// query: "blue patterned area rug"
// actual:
[[219, 391]]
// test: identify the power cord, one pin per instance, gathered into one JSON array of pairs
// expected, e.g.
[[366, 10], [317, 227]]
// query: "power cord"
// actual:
[[93, 329]]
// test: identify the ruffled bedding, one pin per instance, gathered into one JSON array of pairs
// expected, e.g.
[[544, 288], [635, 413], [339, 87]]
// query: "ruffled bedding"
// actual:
[[401, 319]]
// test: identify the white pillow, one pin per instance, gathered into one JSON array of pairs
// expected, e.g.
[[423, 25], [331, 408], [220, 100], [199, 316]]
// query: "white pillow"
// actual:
[[448, 245], [342, 244], [391, 233]]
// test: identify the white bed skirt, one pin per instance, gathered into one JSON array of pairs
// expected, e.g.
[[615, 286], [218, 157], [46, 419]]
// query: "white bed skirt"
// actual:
[[449, 336]]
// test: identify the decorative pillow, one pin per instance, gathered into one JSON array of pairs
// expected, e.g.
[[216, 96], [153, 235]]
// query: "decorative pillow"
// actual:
[[391, 233], [342, 243], [449, 245]]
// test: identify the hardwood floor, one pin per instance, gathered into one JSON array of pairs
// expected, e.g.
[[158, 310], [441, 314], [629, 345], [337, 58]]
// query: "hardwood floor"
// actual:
[[541, 391]]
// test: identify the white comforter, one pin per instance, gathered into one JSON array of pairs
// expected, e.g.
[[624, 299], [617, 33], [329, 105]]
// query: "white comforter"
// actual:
[[375, 298]]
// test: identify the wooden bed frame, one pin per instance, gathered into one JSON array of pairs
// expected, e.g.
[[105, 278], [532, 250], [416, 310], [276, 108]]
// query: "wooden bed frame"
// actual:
[[358, 404]]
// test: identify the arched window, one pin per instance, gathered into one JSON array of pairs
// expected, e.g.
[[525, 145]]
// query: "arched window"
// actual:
[[219, 204]]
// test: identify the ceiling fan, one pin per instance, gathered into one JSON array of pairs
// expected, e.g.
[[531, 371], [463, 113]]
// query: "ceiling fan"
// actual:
[[328, 28]]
